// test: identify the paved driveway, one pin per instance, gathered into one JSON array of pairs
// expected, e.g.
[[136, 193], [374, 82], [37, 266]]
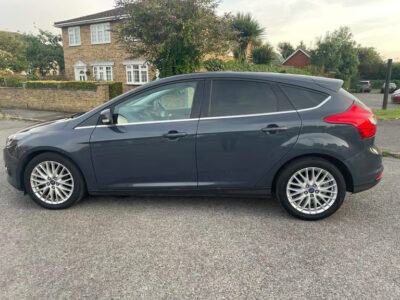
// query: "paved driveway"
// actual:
[[207, 248]]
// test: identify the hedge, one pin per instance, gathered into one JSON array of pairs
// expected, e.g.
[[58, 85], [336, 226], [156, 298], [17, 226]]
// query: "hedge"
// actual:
[[67, 85], [114, 89], [219, 65]]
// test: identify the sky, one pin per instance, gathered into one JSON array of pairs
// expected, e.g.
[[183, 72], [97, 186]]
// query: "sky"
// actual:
[[374, 23]]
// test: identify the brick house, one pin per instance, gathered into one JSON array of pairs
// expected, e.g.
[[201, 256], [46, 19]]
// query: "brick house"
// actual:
[[298, 59], [92, 51]]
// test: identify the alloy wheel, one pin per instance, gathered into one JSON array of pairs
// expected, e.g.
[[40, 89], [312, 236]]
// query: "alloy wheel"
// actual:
[[312, 190], [52, 182]]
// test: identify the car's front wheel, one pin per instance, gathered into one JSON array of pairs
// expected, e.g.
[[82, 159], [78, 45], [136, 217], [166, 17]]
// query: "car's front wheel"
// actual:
[[311, 188], [53, 181]]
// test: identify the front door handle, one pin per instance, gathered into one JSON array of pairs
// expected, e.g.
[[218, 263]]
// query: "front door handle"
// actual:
[[173, 134], [273, 128]]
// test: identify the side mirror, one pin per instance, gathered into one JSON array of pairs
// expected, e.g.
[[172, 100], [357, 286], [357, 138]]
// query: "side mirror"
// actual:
[[105, 117]]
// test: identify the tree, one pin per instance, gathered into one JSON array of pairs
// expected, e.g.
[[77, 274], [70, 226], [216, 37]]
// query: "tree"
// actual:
[[246, 31], [44, 52], [336, 53], [263, 54], [12, 51], [285, 49], [302, 46], [371, 64], [173, 35]]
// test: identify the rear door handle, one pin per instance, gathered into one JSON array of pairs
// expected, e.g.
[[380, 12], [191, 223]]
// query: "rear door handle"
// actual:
[[273, 128], [173, 134]]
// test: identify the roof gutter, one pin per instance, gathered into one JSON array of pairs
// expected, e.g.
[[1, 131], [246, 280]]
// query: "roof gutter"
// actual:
[[90, 21]]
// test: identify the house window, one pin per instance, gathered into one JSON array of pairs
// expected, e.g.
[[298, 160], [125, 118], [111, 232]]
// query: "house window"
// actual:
[[74, 36], [103, 73], [100, 33], [137, 74]]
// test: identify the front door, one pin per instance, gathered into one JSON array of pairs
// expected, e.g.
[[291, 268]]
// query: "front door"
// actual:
[[152, 144], [246, 127]]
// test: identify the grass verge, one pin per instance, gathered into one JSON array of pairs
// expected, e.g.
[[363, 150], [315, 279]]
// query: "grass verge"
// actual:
[[387, 153], [389, 114]]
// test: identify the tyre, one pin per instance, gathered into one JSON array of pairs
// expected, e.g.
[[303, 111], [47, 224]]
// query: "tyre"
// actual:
[[53, 181], [311, 188]]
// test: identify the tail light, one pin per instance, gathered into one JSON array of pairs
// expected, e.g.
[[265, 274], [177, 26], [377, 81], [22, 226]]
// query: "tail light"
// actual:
[[361, 118]]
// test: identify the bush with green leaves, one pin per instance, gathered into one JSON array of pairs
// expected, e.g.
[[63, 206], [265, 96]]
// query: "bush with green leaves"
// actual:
[[65, 85], [214, 65], [248, 67], [263, 55], [114, 89], [9, 80]]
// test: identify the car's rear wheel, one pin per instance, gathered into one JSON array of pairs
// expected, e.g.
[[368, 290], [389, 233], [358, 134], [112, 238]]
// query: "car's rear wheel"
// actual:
[[311, 188], [53, 181]]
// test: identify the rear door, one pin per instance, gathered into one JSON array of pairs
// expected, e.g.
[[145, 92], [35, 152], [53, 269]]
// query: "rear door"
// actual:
[[244, 129]]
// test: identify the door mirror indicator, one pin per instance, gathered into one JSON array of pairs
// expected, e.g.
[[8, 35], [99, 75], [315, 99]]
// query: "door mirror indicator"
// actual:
[[105, 117]]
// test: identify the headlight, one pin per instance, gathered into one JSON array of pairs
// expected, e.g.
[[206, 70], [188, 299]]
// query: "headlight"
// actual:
[[12, 140]]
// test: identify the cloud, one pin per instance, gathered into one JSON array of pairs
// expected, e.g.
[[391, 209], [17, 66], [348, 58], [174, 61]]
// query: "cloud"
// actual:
[[374, 22]]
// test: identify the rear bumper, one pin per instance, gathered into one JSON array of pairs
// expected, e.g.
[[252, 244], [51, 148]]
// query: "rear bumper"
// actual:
[[366, 169], [11, 164], [366, 186]]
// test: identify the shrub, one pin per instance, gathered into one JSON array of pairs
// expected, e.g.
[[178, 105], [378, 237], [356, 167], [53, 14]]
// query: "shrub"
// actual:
[[41, 84], [11, 80], [263, 55], [214, 65], [78, 85], [246, 67], [114, 89], [67, 85]]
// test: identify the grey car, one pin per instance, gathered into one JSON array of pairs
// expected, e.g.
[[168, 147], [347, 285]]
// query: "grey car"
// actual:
[[392, 87], [303, 139]]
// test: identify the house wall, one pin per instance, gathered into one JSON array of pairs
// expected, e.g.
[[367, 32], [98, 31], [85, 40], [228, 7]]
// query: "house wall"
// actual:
[[54, 99], [87, 53], [299, 61]]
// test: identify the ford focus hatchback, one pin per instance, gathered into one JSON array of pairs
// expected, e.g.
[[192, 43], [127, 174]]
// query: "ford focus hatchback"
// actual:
[[303, 139]]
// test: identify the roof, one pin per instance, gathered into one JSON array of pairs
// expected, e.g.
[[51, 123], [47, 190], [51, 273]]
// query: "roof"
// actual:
[[112, 14], [294, 53], [312, 82]]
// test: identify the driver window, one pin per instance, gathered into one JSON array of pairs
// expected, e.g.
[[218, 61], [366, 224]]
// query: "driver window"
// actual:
[[169, 102]]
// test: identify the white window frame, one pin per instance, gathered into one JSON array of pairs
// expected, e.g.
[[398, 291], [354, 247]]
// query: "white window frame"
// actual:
[[74, 36], [141, 67], [78, 75], [100, 33], [100, 73]]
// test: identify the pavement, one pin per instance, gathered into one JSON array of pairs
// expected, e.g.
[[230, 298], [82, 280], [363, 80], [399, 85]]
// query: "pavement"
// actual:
[[198, 248], [33, 115]]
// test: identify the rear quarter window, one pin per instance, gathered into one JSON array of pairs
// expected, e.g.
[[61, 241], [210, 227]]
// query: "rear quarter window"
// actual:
[[303, 98]]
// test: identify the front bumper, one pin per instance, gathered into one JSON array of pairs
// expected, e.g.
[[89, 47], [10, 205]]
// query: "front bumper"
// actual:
[[11, 164]]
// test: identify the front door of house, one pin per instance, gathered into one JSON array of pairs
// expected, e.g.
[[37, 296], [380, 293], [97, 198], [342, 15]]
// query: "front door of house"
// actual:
[[80, 73]]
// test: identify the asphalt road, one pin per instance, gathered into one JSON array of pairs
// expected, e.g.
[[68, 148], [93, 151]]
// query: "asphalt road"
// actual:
[[375, 100], [205, 248]]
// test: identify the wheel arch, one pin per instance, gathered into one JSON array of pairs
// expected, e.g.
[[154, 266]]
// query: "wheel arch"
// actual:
[[338, 163], [27, 158]]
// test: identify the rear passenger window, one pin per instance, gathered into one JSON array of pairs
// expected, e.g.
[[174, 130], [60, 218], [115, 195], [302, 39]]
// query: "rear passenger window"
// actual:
[[238, 97], [303, 98]]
